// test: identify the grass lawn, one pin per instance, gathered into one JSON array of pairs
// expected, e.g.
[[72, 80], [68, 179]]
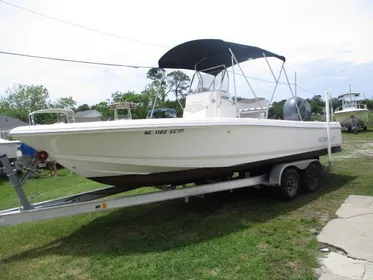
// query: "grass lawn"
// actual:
[[247, 234]]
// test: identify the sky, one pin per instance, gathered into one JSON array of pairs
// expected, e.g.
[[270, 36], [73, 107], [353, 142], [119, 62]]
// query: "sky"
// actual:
[[327, 43]]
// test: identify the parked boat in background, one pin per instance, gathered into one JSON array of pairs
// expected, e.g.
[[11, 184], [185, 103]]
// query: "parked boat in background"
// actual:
[[351, 114], [125, 105], [54, 115]]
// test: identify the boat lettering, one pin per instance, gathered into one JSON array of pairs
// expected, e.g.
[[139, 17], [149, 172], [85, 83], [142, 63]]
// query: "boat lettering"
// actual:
[[166, 131], [173, 131], [160, 132], [325, 139]]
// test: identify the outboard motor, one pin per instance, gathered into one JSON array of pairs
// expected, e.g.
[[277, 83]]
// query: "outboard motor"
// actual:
[[290, 109]]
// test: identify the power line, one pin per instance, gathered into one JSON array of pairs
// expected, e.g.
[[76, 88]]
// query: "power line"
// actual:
[[273, 82], [126, 65], [106, 64], [261, 80], [75, 61], [307, 90], [112, 35], [82, 26], [280, 83]]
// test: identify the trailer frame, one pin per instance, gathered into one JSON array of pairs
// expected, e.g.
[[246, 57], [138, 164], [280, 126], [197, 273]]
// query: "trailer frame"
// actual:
[[92, 201]]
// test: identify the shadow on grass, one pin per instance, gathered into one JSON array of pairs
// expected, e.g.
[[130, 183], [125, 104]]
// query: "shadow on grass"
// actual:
[[369, 130], [174, 224]]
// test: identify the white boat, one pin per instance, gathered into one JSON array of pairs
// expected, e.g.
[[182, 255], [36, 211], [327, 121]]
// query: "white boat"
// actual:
[[350, 108], [68, 116], [215, 137], [62, 115], [9, 148], [125, 105]]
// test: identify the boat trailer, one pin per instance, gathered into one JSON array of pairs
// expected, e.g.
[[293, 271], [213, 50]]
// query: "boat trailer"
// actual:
[[290, 177]]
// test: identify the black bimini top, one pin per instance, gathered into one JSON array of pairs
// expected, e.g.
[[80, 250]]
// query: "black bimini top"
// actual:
[[207, 53]]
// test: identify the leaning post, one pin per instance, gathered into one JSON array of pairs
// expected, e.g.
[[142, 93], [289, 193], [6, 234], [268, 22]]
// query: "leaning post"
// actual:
[[327, 112]]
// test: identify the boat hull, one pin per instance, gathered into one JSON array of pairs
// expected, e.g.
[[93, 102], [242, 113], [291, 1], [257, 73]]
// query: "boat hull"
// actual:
[[345, 116], [137, 153], [203, 174]]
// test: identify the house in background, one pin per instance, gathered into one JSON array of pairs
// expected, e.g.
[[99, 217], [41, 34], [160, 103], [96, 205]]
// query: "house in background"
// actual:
[[88, 116], [7, 124]]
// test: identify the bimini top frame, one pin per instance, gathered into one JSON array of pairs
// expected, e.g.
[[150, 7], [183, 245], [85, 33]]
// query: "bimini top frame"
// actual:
[[213, 56]]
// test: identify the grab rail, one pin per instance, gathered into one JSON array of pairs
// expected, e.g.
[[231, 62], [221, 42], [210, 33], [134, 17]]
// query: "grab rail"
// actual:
[[358, 106]]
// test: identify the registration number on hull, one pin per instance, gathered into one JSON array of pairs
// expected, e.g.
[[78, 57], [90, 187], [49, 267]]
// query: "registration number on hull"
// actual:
[[164, 131]]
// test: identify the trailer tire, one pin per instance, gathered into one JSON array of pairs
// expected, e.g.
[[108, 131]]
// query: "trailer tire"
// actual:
[[290, 184], [311, 177]]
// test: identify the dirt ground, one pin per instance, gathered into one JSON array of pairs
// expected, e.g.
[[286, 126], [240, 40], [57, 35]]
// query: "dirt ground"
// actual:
[[355, 148]]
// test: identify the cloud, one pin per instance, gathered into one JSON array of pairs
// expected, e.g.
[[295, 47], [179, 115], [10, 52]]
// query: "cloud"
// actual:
[[314, 33]]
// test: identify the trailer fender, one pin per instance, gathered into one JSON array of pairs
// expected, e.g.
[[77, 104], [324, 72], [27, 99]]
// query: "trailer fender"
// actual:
[[276, 172]]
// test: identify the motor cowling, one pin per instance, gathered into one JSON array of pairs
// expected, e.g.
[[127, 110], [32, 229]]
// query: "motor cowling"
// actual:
[[290, 111]]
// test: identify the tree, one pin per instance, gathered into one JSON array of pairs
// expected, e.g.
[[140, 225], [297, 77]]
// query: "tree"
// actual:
[[317, 99], [174, 104], [104, 109], [368, 102], [20, 100], [83, 107], [317, 104], [175, 81], [336, 103], [178, 82], [64, 102], [144, 100], [157, 75], [277, 110]]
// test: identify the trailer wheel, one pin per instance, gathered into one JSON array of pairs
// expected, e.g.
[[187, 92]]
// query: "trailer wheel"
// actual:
[[290, 183], [311, 177]]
